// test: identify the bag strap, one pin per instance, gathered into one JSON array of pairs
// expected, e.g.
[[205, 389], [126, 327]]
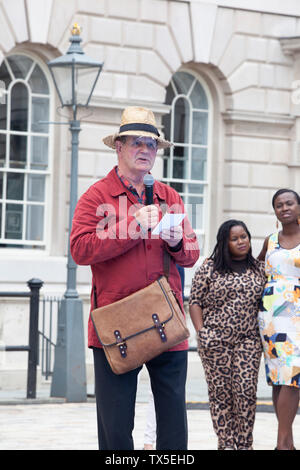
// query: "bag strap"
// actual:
[[166, 261], [95, 296], [166, 264], [163, 207]]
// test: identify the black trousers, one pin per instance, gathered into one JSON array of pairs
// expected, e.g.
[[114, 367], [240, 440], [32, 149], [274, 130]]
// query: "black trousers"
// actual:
[[116, 395]]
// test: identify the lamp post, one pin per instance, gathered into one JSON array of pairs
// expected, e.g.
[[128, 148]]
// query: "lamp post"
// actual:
[[75, 76]]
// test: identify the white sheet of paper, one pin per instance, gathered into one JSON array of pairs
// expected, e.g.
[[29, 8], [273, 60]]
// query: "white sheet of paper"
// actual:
[[168, 221]]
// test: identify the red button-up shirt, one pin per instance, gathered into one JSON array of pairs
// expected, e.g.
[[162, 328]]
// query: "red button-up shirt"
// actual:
[[123, 259]]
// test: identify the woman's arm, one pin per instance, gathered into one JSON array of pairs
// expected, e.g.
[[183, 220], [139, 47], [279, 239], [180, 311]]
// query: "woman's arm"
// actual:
[[196, 316], [199, 291]]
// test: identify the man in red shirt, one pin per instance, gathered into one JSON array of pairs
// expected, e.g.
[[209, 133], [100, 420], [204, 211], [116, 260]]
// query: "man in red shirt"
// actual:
[[111, 232]]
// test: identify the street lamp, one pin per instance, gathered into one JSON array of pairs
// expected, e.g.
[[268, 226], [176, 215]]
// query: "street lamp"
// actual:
[[75, 76]]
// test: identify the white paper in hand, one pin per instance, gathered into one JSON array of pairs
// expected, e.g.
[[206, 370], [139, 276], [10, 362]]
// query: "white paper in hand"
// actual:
[[168, 221]]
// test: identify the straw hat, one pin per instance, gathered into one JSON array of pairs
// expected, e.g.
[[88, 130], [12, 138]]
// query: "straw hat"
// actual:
[[140, 122]]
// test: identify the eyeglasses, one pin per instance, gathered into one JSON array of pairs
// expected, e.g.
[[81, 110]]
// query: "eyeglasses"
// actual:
[[139, 142]]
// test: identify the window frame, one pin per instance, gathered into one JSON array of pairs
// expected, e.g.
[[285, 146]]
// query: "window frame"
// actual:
[[203, 234], [32, 247]]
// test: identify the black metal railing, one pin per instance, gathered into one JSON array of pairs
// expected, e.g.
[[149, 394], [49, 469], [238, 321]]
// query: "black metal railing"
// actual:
[[32, 346], [49, 307]]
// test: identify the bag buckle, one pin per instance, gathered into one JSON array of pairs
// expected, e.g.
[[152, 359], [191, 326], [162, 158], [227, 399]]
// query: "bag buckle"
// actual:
[[160, 327], [121, 344]]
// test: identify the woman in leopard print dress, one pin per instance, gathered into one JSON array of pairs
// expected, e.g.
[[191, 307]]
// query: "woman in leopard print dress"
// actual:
[[224, 300]]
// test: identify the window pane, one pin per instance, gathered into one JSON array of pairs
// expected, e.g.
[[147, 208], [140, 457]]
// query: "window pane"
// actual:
[[166, 119], [195, 188], [194, 208], [169, 95], [200, 121], [39, 153], [166, 126], [177, 186], [166, 167], [38, 82], [40, 112], [2, 149], [36, 188], [200, 238], [183, 82], [19, 65], [19, 107], [3, 111], [14, 221], [178, 168], [18, 151], [35, 223], [1, 186], [180, 162], [15, 186], [198, 97], [181, 121], [199, 164], [4, 74]]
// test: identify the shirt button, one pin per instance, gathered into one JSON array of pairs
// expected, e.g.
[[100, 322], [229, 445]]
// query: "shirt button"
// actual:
[[149, 247]]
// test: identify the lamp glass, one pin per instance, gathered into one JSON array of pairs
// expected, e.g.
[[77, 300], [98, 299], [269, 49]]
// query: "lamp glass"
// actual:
[[62, 77], [84, 82]]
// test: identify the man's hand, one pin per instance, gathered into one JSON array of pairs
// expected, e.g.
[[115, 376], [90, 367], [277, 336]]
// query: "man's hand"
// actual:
[[147, 217], [172, 236]]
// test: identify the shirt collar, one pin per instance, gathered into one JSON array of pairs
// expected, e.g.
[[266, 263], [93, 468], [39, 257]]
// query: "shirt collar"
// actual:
[[118, 187], [141, 198]]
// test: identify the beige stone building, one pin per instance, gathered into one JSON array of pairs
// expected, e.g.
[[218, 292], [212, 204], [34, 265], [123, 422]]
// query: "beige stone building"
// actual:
[[223, 78]]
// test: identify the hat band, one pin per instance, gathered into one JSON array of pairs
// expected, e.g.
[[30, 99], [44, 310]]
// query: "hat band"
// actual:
[[139, 127]]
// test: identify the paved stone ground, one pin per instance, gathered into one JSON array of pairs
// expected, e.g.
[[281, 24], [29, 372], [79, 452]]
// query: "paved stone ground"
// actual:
[[52, 424], [72, 426]]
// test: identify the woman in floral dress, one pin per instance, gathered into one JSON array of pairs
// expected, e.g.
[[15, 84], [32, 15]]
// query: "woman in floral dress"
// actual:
[[279, 315]]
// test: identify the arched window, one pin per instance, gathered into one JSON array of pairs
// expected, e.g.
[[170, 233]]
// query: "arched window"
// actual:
[[185, 164], [24, 144]]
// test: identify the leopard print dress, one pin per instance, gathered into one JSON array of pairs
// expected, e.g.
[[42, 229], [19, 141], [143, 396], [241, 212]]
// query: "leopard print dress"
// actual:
[[230, 348]]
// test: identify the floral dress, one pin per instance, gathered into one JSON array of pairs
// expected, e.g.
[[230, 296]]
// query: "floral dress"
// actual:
[[279, 315]]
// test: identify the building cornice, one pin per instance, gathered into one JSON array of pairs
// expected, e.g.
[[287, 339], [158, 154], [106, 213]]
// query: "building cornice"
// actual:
[[100, 102], [257, 118]]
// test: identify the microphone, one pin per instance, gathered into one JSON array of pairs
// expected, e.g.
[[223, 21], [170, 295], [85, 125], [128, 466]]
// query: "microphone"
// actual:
[[148, 182]]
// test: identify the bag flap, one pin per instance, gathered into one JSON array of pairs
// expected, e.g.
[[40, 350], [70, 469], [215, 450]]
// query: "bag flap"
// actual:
[[132, 315]]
